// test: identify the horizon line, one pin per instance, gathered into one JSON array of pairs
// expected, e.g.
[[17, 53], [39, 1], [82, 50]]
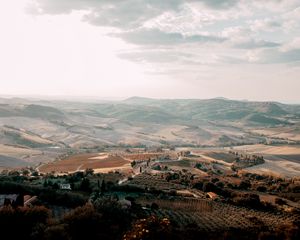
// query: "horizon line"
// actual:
[[123, 98]]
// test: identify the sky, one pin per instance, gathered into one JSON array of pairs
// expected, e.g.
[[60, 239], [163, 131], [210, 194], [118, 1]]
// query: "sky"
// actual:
[[238, 49]]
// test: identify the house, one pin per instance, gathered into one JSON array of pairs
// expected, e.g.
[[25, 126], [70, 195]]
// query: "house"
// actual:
[[29, 200], [7, 199], [17, 200], [125, 204], [212, 195], [65, 186], [184, 154]]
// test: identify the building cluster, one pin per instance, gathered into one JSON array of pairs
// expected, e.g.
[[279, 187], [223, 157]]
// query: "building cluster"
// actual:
[[17, 200]]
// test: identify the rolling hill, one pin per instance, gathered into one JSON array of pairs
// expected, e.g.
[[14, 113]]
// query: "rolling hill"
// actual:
[[48, 125]]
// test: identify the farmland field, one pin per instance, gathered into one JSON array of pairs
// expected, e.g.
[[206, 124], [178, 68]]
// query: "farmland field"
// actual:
[[96, 161], [221, 216], [279, 160]]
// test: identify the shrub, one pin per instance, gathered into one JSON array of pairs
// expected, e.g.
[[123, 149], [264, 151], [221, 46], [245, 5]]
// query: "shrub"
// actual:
[[209, 187], [214, 180], [198, 185], [220, 184], [22, 219], [67, 199], [280, 201], [85, 185], [55, 232], [247, 200], [261, 189], [244, 185], [154, 206], [150, 228], [83, 223], [294, 188]]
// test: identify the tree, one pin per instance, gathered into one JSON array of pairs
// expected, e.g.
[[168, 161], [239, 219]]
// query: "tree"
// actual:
[[22, 222], [133, 163], [25, 172], [45, 184], [245, 185], [103, 187], [55, 186], [98, 184], [198, 185], [209, 187], [14, 173], [247, 200], [214, 180], [84, 223], [154, 206], [20, 200], [261, 189], [150, 228], [85, 185], [56, 232], [89, 171], [280, 201], [220, 184], [35, 173]]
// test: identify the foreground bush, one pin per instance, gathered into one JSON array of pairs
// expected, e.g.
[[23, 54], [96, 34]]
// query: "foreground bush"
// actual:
[[150, 228], [22, 222]]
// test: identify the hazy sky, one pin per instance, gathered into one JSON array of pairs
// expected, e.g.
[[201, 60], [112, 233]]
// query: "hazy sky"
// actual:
[[237, 49]]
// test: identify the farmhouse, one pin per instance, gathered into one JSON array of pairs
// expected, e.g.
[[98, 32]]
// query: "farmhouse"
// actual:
[[125, 203], [184, 154], [7, 199], [17, 200], [212, 195], [29, 200], [65, 186]]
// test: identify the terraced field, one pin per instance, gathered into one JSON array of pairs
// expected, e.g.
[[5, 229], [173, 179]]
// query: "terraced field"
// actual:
[[222, 217], [81, 162], [154, 181], [143, 156]]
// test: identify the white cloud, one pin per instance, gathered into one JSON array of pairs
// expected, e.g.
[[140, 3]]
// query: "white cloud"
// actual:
[[292, 45], [266, 24], [154, 48]]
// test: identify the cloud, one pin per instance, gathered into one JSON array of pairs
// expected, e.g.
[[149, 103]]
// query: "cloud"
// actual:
[[220, 4], [128, 14], [156, 37], [246, 38], [271, 56], [267, 24], [292, 45], [252, 44], [158, 56], [243, 30], [171, 57], [116, 13], [121, 13]]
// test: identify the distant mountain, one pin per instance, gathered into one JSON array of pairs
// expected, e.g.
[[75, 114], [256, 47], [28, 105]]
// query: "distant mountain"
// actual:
[[261, 119], [139, 100], [38, 111], [218, 109], [31, 110]]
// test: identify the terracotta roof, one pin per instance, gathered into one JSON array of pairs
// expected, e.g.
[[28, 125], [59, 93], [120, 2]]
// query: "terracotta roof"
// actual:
[[212, 195]]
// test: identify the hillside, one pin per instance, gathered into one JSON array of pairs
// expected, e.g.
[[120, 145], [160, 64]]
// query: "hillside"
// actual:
[[63, 125]]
